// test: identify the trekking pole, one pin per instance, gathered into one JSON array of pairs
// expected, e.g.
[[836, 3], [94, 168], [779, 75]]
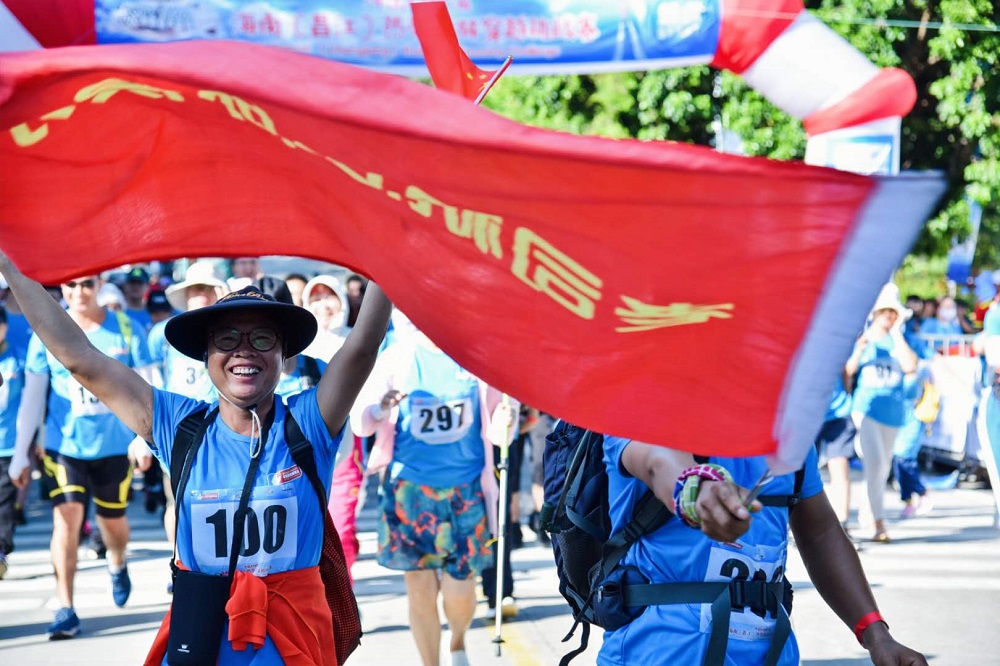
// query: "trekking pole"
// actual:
[[502, 531]]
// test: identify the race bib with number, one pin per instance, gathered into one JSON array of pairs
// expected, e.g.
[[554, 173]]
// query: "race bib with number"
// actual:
[[270, 533], [83, 402], [436, 421], [880, 375], [187, 376], [739, 560]]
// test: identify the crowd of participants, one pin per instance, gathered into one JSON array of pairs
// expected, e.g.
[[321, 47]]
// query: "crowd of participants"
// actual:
[[429, 429]]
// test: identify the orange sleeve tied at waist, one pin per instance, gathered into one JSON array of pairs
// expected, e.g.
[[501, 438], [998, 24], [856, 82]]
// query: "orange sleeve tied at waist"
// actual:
[[290, 607]]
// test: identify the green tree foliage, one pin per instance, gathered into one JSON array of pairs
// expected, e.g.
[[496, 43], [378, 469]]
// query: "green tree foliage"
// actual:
[[954, 128]]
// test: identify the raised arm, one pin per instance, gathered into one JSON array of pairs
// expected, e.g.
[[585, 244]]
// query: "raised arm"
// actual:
[[115, 384], [351, 365]]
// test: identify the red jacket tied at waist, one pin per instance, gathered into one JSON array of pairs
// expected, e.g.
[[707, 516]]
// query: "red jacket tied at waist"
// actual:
[[290, 607]]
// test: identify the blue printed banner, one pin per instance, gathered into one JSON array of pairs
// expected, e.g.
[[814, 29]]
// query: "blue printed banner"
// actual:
[[543, 36]]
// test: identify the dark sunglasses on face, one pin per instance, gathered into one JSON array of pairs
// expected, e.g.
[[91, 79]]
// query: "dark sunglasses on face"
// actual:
[[228, 339], [83, 284]]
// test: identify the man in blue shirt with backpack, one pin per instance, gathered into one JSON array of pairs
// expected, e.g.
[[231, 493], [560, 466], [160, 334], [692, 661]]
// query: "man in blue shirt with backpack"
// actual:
[[680, 564]]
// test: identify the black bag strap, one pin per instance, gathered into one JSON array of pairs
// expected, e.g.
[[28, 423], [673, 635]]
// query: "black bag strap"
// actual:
[[648, 515], [786, 501], [302, 454], [190, 434], [724, 597]]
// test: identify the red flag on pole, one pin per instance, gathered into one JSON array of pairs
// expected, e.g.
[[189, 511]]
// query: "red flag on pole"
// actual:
[[449, 66], [628, 286]]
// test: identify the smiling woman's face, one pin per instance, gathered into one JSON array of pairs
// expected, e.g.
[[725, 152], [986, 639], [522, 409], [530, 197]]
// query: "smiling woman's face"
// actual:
[[246, 375]]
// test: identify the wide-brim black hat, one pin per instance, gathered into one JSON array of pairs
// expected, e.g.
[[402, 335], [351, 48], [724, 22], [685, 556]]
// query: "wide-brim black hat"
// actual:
[[188, 331]]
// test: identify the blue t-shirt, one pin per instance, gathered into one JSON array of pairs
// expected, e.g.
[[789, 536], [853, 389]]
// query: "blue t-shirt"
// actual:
[[679, 633], [12, 371], [439, 439], [937, 327], [181, 374], [286, 527], [300, 379], [18, 334], [77, 424], [840, 402], [141, 318], [879, 392]]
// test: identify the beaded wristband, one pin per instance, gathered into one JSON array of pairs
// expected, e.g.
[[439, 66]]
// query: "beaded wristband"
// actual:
[[687, 486]]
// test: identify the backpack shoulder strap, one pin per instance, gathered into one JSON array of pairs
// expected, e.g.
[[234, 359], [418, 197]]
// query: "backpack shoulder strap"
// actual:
[[787, 501], [302, 453], [190, 431], [648, 515]]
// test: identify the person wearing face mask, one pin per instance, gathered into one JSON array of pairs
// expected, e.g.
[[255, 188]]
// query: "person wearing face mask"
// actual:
[[260, 600], [876, 369], [945, 321]]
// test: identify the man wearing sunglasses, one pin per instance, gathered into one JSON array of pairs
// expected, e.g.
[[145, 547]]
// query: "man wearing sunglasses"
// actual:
[[244, 340], [86, 445]]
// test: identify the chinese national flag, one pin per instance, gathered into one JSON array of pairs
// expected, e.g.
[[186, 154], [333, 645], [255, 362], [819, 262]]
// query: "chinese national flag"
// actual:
[[448, 64]]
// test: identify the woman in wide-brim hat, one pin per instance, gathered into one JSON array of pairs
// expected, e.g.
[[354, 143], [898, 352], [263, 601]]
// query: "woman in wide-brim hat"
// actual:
[[876, 370], [243, 339]]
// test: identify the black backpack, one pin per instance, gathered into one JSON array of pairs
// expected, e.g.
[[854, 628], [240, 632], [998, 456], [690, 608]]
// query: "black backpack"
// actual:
[[576, 513]]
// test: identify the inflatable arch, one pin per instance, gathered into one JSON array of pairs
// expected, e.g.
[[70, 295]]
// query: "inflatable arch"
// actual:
[[851, 109]]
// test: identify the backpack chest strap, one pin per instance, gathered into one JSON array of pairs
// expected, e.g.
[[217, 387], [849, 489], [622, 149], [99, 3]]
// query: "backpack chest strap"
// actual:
[[725, 597]]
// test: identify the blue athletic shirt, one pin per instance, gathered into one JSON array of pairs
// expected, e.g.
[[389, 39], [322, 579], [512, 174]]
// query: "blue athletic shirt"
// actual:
[[299, 381], [77, 424], [142, 319], [12, 371], [439, 439], [879, 392], [18, 333], [679, 633], [288, 529], [911, 433], [840, 402], [181, 374]]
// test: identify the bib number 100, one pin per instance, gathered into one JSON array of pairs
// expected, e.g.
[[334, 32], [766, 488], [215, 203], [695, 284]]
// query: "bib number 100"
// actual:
[[266, 530]]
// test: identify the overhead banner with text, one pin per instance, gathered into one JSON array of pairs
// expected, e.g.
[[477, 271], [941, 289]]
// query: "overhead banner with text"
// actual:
[[572, 36], [648, 289]]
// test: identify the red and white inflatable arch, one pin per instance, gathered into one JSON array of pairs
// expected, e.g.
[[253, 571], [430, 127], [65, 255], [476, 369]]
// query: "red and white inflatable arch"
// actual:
[[850, 108]]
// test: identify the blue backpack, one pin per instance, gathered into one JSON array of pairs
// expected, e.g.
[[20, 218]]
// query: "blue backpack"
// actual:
[[576, 513]]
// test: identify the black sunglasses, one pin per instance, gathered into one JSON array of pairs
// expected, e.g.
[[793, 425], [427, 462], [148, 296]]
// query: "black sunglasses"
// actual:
[[83, 284], [228, 339]]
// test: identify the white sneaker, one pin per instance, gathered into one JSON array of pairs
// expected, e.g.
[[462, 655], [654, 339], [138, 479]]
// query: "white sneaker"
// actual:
[[491, 613], [3, 565], [458, 658]]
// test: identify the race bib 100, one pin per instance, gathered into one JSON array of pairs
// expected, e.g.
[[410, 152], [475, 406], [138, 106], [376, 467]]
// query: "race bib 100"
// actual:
[[436, 421], [270, 532]]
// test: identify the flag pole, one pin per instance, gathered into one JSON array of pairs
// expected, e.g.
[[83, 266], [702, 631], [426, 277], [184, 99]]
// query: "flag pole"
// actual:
[[493, 79], [501, 563]]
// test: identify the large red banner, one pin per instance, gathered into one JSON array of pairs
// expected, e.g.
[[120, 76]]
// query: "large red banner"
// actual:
[[659, 291]]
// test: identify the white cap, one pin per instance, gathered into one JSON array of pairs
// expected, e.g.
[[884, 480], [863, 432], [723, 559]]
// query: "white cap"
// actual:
[[109, 294], [3, 282], [337, 288], [888, 299], [199, 273]]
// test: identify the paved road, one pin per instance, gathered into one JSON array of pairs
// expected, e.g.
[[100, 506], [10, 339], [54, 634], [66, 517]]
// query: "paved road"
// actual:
[[938, 584]]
